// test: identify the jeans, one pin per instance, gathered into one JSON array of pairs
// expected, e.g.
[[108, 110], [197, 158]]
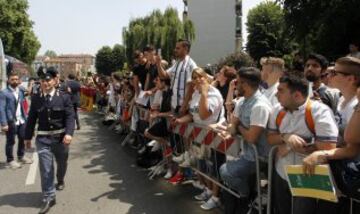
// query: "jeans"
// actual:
[[236, 174], [14, 131]]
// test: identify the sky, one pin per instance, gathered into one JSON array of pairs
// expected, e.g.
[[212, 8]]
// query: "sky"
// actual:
[[84, 26]]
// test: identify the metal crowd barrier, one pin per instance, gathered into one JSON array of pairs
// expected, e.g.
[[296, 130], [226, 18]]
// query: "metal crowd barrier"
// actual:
[[205, 135], [271, 161], [200, 134]]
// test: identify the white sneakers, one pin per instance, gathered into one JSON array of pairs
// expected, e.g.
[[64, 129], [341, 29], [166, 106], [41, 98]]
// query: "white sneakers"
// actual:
[[183, 160], [203, 196], [168, 174], [25, 160], [14, 165], [17, 164], [212, 203], [198, 185], [179, 159], [155, 145]]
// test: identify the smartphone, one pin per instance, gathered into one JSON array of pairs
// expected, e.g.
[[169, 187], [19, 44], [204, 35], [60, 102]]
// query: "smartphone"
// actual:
[[311, 143], [159, 52], [236, 82]]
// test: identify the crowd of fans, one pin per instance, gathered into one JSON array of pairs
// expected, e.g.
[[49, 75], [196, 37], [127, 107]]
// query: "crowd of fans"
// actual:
[[311, 115]]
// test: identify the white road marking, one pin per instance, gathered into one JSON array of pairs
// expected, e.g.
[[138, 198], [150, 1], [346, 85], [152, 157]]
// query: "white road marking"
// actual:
[[30, 179]]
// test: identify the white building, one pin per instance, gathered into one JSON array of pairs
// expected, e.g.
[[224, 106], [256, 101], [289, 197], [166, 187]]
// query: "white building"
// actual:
[[215, 29]]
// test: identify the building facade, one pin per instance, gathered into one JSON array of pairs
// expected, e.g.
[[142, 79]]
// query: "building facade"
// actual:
[[76, 64], [217, 28]]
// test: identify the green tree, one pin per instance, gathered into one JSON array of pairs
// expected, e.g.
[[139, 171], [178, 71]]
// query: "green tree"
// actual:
[[118, 57], [50, 53], [267, 32], [236, 60], [109, 60], [103, 61], [159, 29], [16, 30], [326, 27]]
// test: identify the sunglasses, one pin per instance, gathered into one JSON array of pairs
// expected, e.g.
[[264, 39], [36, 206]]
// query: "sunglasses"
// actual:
[[335, 73]]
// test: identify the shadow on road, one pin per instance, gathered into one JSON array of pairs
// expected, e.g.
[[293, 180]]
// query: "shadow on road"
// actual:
[[31, 199]]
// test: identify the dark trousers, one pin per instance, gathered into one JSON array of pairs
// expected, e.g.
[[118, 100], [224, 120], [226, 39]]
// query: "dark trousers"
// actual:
[[14, 131], [285, 204], [76, 115], [61, 153], [48, 148]]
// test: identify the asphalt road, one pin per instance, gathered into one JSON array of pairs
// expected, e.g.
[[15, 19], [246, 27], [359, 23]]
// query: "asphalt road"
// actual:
[[102, 178]]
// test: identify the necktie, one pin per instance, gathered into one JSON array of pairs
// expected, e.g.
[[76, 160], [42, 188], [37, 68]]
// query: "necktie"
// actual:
[[47, 99]]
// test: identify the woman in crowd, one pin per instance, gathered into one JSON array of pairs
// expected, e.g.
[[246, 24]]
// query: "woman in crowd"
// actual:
[[206, 107], [160, 109]]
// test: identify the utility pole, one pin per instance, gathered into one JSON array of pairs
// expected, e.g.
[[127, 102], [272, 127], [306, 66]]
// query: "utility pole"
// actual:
[[2, 67], [238, 26], [185, 13]]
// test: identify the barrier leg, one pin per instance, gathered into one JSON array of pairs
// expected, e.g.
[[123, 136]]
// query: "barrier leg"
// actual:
[[258, 180], [270, 173], [127, 138]]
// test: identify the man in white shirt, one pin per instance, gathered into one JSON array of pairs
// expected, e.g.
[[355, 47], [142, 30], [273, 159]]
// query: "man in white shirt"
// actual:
[[250, 120], [272, 70], [13, 118], [180, 74], [299, 126]]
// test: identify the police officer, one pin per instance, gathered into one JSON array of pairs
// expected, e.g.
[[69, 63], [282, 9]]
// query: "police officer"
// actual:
[[52, 110], [73, 87]]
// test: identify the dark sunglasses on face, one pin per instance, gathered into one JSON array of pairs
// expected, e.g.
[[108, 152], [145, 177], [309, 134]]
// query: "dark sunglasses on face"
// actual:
[[335, 72]]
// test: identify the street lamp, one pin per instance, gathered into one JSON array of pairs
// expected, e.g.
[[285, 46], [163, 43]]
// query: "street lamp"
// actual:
[[238, 27]]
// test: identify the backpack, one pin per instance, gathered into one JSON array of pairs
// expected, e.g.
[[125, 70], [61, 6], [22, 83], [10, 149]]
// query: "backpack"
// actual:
[[309, 120]]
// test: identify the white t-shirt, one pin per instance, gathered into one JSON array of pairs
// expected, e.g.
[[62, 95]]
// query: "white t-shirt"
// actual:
[[19, 118], [157, 99], [112, 100], [180, 74], [259, 112], [270, 94], [215, 105], [345, 111], [295, 123]]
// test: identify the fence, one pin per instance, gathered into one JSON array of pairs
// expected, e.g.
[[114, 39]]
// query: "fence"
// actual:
[[203, 138], [87, 98]]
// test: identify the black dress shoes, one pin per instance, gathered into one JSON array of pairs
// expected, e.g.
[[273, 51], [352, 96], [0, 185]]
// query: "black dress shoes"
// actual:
[[60, 186], [45, 207]]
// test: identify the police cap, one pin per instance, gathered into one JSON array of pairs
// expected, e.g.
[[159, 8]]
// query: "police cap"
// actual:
[[47, 73]]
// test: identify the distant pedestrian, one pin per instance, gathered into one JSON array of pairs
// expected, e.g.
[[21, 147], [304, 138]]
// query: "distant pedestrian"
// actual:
[[13, 114], [73, 87]]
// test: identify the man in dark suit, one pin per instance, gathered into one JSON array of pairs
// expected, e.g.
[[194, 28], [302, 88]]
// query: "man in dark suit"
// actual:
[[53, 111], [73, 88], [13, 115]]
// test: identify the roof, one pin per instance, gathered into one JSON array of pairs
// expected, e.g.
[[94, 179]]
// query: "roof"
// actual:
[[76, 56]]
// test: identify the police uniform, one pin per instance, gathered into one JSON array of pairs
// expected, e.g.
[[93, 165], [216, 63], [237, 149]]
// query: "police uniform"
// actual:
[[54, 115]]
